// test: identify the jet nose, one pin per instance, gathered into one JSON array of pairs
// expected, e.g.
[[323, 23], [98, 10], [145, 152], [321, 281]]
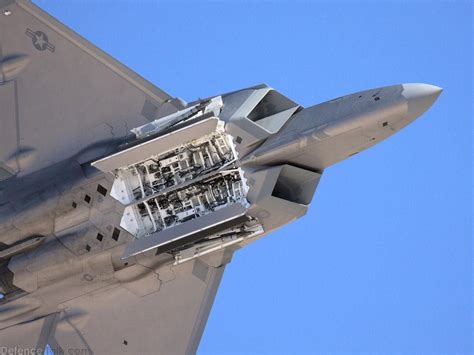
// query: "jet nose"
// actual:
[[420, 97]]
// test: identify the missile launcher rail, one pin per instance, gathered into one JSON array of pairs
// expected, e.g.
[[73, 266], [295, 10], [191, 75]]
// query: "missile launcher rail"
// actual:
[[182, 191]]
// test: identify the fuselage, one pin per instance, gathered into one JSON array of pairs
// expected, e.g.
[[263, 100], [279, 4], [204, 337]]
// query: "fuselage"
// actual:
[[322, 135], [70, 207]]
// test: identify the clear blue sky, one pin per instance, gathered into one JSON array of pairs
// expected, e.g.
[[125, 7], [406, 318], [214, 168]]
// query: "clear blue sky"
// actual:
[[382, 263]]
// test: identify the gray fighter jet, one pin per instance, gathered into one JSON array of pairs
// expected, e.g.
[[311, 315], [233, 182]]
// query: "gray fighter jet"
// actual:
[[120, 205]]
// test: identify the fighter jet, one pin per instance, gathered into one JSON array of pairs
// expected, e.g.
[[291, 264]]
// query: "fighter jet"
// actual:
[[120, 205]]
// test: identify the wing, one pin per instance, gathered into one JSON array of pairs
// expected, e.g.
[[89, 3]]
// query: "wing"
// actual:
[[60, 96], [163, 313]]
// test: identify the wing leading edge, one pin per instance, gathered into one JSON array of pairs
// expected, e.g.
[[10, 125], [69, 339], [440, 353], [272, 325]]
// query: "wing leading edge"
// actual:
[[61, 97]]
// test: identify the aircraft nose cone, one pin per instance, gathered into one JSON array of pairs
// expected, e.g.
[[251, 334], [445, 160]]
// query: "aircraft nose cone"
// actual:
[[420, 97]]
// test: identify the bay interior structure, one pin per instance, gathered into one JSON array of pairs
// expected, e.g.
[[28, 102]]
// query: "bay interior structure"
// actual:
[[120, 205]]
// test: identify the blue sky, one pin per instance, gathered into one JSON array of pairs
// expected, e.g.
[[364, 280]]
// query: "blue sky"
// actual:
[[382, 263]]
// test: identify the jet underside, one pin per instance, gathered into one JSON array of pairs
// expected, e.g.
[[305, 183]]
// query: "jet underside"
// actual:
[[213, 175], [123, 216]]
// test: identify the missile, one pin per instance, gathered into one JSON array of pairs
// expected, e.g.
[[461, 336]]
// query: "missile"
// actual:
[[183, 198], [21, 247]]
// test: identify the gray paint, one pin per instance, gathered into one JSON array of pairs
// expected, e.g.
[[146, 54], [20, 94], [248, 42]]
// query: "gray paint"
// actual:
[[72, 288], [226, 215], [155, 146]]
